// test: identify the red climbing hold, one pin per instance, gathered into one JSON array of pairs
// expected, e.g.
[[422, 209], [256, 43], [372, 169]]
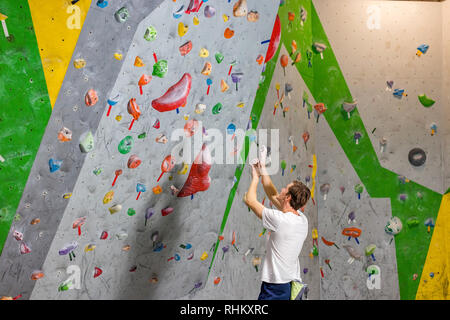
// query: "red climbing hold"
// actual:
[[176, 95], [166, 211], [144, 80], [97, 272], [274, 40], [198, 179]]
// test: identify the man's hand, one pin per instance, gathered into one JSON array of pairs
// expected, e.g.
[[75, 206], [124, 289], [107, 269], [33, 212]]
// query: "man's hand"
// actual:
[[256, 169]]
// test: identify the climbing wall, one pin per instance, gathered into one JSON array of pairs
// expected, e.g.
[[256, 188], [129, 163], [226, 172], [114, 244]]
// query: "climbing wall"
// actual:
[[374, 45], [289, 123]]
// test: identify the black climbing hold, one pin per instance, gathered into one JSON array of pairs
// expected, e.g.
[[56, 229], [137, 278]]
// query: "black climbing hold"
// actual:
[[417, 157]]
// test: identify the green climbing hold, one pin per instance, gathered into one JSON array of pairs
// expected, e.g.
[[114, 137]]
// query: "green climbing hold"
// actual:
[[87, 143], [315, 252], [97, 171], [122, 15], [131, 212], [412, 222], [125, 145], [426, 101], [142, 135], [217, 108], [150, 34], [219, 57], [160, 68], [359, 188]]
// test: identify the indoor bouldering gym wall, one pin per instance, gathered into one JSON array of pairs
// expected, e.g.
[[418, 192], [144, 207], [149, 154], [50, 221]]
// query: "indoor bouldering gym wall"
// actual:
[[127, 129]]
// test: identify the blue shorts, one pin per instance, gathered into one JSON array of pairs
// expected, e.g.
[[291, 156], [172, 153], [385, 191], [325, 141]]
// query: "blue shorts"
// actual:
[[275, 291]]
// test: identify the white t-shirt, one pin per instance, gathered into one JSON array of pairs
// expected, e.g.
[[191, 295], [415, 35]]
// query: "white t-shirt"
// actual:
[[287, 234]]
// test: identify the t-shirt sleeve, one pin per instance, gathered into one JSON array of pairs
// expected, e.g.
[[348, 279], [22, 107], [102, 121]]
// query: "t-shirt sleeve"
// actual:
[[271, 219]]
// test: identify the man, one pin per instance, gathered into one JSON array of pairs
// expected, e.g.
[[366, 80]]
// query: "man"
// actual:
[[288, 228]]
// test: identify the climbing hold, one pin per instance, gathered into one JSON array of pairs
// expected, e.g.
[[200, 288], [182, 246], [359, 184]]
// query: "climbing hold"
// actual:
[[89, 247], [256, 262], [223, 86], [54, 164], [79, 63], [204, 53], [126, 247], [422, 49], [24, 249], [140, 188], [417, 157], [324, 189], [228, 33], [102, 3], [200, 108], [352, 232], [219, 57], [87, 143], [429, 223], [35, 221], [357, 136], [433, 128], [175, 97], [196, 21], [68, 248], [284, 61], [399, 93], [161, 138], [177, 14], [182, 29], [126, 144], [194, 6], [369, 250], [134, 162], [160, 69], [37, 275], [115, 208], [138, 62], [320, 108], [198, 179], [167, 165], [131, 212], [240, 8], [216, 280], [393, 226], [97, 272], [354, 254], [426, 101], [18, 235], [104, 235], [109, 196], [122, 235], [319, 47], [122, 15], [253, 16], [118, 56], [207, 69], [157, 189], [91, 98], [144, 80], [190, 127], [209, 12], [150, 33], [186, 48], [236, 78], [166, 211], [64, 135], [349, 107], [412, 222], [204, 256]]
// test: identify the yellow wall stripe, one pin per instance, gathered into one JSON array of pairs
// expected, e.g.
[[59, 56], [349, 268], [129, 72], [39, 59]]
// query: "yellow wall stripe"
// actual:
[[57, 25], [438, 258]]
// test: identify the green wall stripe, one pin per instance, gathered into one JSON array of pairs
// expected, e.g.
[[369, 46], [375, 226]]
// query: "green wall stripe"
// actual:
[[327, 85], [25, 108]]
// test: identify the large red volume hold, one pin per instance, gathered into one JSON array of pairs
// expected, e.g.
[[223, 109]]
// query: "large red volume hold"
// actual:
[[274, 40], [175, 97], [198, 179]]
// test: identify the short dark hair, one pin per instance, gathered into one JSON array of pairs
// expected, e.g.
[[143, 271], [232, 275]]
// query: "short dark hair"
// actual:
[[299, 193]]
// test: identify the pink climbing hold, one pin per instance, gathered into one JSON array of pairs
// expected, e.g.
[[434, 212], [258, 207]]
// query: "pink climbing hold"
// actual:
[[166, 211]]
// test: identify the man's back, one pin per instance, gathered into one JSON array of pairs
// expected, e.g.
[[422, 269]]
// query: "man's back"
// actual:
[[288, 232]]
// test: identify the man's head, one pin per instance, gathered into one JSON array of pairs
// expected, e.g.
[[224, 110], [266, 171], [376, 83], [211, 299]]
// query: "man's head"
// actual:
[[296, 194]]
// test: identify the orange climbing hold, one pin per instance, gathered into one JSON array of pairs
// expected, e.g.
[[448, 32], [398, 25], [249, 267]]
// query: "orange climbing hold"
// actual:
[[228, 34], [138, 62], [157, 189]]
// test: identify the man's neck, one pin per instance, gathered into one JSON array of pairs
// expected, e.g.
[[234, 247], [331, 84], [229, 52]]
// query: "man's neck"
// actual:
[[290, 209]]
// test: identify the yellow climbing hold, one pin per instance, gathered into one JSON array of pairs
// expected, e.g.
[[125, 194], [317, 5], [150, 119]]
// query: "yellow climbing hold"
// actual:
[[196, 21], [118, 56], [204, 53], [314, 170], [89, 247], [67, 195], [108, 197], [184, 169], [240, 105], [204, 256], [225, 17], [182, 29], [118, 118], [79, 63]]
